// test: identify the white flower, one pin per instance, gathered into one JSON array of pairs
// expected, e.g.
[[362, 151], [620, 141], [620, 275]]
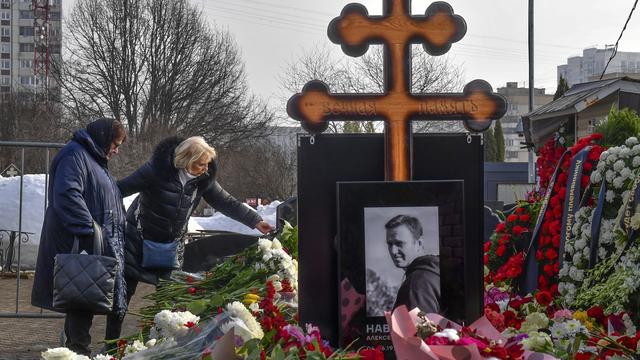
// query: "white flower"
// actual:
[[604, 155], [609, 175], [102, 357], [172, 324], [577, 275], [264, 244], [577, 258], [596, 177], [536, 341], [568, 248], [59, 353], [625, 173], [625, 152], [247, 327], [254, 307], [151, 343], [619, 165], [564, 271], [635, 221], [631, 141], [615, 150], [276, 245], [135, 347], [561, 140], [558, 330], [580, 244], [618, 182], [610, 195], [573, 327], [451, 334]]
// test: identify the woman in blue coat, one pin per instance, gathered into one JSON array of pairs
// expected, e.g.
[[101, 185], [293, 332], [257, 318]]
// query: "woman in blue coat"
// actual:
[[81, 192], [171, 184]]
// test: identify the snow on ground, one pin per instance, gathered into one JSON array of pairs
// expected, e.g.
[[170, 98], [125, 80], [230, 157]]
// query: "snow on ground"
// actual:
[[33, 214], [32, 208]]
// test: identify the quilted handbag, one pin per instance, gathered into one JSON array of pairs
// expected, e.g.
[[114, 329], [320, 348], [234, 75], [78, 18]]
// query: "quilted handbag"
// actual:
[[85, 282]]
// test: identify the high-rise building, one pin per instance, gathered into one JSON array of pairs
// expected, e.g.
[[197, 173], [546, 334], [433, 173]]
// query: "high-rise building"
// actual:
[[518, 105], [589, 66], [22, 58]]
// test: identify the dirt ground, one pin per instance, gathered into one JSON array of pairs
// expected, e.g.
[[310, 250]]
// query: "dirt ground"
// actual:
[[26, 338]]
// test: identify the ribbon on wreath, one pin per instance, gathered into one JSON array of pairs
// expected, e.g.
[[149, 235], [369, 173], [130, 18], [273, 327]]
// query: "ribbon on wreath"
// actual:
[[572, 198], [630, 209], [529, 280]]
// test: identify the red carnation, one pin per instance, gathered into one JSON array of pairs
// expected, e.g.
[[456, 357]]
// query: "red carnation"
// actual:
[[544, 298], [512, 218], [587, 166], [487, 246], [518, 230], [597, 313], [551, 254], [525, 218]]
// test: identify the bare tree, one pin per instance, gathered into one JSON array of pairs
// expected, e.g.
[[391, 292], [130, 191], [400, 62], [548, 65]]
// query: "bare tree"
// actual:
[[262, 165], [158, 66], [27, 116], [365, 75]]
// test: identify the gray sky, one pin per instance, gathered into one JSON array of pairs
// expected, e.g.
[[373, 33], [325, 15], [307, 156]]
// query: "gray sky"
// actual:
[[271, 33]]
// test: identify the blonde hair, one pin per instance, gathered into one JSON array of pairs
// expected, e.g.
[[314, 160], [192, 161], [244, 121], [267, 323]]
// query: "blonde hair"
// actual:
[[191, 150]]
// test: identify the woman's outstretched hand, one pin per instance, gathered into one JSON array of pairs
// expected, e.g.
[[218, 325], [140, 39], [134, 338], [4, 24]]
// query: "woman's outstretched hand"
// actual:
[[264, 227]]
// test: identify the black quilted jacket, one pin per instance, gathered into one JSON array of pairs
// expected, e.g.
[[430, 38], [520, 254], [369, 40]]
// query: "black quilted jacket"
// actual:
[[161, 212]]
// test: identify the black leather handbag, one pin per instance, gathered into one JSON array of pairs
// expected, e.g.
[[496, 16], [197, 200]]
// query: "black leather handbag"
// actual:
[[85, 282]]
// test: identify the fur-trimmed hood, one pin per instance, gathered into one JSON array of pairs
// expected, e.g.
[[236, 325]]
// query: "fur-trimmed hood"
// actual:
[[163, 155]]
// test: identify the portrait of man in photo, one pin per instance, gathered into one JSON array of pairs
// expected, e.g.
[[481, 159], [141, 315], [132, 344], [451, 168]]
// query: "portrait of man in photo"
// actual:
[[421, 285], [402, 249]]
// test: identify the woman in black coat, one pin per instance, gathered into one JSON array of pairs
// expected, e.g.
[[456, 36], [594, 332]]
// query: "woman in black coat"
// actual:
[[171, 184], [81, 193]]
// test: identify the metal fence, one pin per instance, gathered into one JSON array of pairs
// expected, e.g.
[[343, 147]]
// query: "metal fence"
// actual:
[[16, 237]]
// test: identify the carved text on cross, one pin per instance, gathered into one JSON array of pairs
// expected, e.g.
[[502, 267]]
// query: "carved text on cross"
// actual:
[[396, 29]]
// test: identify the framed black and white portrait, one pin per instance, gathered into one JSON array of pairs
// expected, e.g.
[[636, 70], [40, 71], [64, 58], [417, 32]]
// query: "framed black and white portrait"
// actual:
[[399, 243], [396, 240]]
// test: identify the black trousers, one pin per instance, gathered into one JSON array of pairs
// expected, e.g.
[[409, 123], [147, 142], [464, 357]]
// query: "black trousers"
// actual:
[[114, 323], [76, 328], [77, 325]]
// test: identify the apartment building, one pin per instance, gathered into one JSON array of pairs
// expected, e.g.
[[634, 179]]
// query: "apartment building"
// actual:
[[518, 105], [589, 66], [18, 41]]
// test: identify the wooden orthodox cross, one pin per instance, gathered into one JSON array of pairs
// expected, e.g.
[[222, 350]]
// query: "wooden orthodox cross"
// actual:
[[396, 29]]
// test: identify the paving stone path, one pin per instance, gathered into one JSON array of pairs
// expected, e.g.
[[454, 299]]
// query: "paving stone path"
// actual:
[[26, 338]]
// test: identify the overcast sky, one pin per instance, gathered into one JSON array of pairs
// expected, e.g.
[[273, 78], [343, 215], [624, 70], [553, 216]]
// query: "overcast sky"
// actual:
[[272, 32]]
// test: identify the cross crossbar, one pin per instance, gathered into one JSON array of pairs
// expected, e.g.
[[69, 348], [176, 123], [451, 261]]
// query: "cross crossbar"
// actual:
[[397, 29]]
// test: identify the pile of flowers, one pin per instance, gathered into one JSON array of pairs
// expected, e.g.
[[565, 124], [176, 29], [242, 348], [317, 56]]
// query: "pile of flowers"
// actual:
[[543, 326], [251, 298], [504, 253], [435, 335]]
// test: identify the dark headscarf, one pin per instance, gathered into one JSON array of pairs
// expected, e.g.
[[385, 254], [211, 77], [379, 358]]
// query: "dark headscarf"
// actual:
[[101, 131]]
